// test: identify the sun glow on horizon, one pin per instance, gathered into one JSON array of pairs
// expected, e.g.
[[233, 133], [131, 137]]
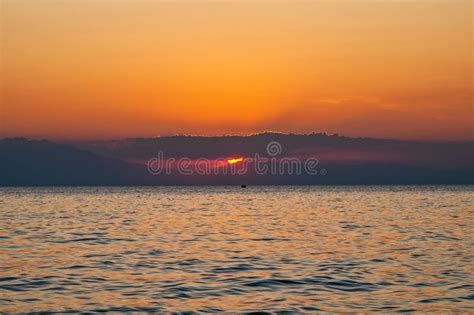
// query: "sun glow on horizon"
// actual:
[[234, 161]]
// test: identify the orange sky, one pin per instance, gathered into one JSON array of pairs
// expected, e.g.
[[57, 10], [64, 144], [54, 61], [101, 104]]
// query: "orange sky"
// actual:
[[110, 69]]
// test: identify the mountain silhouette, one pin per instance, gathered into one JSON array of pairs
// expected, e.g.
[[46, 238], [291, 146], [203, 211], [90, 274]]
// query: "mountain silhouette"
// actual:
[[341, 160], [41, 162], [329, 148]]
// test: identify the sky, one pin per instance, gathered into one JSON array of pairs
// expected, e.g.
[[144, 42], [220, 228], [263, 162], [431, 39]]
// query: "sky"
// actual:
[[102, 69]]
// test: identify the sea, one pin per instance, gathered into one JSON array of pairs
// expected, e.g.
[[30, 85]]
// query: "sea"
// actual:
[[227, 249]]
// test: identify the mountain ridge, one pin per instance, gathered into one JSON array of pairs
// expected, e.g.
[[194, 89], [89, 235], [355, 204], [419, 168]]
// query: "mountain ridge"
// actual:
[[347, 161]]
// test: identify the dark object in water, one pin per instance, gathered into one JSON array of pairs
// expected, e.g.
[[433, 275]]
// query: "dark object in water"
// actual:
[[243, 186]]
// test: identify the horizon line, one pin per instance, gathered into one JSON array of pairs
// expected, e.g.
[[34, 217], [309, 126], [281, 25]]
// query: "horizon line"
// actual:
[[254, 134]]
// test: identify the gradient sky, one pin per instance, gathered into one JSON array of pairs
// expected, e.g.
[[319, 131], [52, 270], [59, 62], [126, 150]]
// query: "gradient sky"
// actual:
[[96, 69]]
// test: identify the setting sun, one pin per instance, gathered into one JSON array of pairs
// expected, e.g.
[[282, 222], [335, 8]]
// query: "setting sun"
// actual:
[[233, 161]]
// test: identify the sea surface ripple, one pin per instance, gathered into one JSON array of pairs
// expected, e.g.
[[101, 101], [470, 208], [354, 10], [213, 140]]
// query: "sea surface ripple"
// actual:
[[227, 249]]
